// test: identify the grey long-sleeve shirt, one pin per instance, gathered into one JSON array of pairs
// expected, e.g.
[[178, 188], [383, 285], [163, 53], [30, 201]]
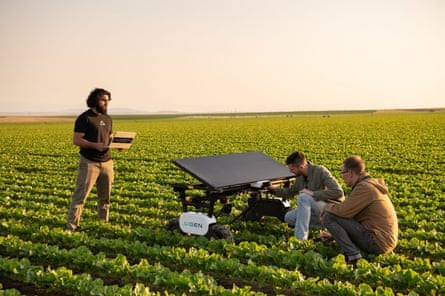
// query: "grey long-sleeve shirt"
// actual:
[[319, 180]]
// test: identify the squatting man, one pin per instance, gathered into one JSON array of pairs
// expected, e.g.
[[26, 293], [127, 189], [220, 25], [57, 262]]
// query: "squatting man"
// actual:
[[315, 187], [366, 220]]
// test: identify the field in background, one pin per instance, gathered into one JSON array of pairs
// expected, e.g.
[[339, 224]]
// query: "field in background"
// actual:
[[134, 254]]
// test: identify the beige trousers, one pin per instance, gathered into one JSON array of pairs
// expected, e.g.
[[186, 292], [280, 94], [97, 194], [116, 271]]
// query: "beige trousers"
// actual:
[[90, 173]]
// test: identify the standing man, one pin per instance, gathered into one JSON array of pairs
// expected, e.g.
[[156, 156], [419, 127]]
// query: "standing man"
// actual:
[[315, 187], [93, 133], [366, 220]]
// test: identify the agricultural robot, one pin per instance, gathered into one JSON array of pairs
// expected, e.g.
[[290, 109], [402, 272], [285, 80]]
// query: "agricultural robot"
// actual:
[[223, 176]]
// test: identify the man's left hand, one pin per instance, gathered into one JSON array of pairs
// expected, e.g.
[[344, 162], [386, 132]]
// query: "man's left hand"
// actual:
[[307, 191]]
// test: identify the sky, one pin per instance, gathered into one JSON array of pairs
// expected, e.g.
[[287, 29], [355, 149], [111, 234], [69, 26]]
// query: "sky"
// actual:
[[200, 56]]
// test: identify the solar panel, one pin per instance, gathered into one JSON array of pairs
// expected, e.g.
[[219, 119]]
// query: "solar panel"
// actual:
[[226, 171]]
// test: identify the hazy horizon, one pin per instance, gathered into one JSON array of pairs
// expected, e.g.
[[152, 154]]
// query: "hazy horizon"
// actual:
[[74, 113]]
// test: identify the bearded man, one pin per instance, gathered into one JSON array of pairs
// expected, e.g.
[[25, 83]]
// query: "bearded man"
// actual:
[[93, 134]]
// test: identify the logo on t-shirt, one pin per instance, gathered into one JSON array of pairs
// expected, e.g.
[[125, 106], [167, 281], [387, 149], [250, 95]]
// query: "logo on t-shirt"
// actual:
[[102, 123]]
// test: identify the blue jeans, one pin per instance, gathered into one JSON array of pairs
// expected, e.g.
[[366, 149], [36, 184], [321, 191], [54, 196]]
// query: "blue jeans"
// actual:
[[305, 216], [351, 236]]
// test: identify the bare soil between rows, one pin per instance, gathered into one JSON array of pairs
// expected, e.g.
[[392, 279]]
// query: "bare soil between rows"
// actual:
[[19, 119]]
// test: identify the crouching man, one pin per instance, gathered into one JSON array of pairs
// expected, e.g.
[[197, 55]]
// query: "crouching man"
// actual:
[[366, 220], [315, 187]]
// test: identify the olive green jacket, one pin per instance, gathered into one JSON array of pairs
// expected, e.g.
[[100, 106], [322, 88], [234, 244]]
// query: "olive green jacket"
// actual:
[[319, 180]]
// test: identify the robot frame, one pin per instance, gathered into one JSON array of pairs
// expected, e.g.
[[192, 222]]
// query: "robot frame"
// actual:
[[223, 176]]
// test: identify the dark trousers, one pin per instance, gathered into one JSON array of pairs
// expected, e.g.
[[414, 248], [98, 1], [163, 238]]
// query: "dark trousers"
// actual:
[[351, 236]]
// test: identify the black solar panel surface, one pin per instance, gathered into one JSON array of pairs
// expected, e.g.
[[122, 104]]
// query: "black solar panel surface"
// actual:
[[231, 170]]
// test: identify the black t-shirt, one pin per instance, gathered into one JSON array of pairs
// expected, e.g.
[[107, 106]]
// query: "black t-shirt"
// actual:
[[97, 128]]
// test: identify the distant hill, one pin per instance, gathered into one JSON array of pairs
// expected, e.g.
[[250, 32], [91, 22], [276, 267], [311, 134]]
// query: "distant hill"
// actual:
[[129, 112]]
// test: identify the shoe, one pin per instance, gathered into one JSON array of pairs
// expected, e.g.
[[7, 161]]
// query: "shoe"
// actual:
[[73, 230], [353, 261]]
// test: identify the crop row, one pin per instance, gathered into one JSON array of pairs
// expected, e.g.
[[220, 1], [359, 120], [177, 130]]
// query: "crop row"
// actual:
[[118, 268], [228, 260], [425, 239]]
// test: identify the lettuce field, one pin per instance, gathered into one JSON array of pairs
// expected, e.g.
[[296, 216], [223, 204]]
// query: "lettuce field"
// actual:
[[134, 254]]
